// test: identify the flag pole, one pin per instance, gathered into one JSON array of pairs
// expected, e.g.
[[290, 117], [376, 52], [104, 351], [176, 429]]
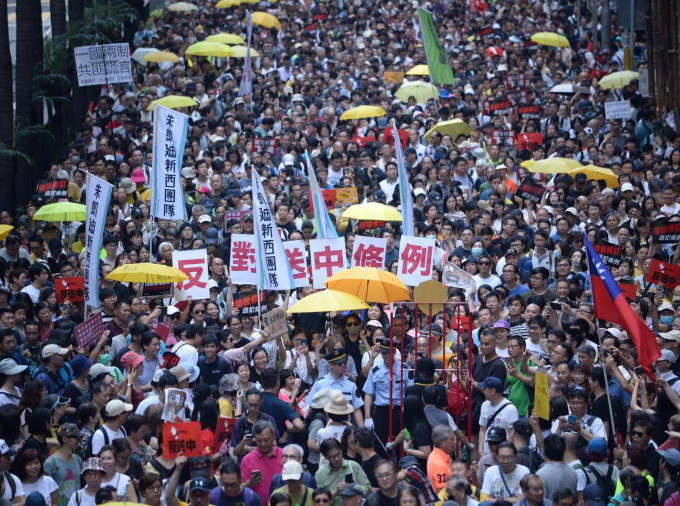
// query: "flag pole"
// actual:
[[429, 70]]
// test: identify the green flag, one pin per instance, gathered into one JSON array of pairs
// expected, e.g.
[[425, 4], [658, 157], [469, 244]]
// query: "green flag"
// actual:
[[440, 69]]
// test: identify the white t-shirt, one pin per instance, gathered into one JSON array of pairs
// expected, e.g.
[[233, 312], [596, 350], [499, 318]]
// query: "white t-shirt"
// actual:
[[120, 483], [32, 291], [492, 281], [19, 488], [98, 440], [44, 486], [186, 352], [494, 486], [85, 498], [670, 210], [505, 418]]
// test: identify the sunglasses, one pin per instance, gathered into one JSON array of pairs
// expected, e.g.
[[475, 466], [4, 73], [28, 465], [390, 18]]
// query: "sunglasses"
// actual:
[[199, 312], [637, 433], [353, 324]]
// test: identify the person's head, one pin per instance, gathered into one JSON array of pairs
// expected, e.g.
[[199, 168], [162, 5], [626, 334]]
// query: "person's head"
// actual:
[[106, 494], [578, 400], [409, 496], [444, 438], [321, 497], [487, 342], [230, 478], [332, 452], [93, 472], [386, 474], [29, 465], [532, 488], [554, 447], [151, 487], [253, 401], [641, 434], [506, 454], [265, 436]]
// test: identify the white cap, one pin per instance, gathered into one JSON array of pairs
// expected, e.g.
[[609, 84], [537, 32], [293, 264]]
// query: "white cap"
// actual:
[[626, 187], [116, 407], [292, 470], [204, 218], [419, 191], [571, 210], [288, 159], [171, 310], [666, 306]]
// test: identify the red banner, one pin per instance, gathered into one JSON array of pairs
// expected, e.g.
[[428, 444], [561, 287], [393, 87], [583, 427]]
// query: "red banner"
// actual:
[[72, 289], [528, 141], [225, 427], [663, 272], [184, 438]]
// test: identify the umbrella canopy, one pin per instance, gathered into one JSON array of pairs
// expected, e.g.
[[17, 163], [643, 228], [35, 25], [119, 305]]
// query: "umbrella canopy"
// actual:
[[61, 211], [618, 79], [182, 7], [225, 38], [372, 211], [554, 166], [173, 102], [370, 284], [550, 39], [5, 230], [141, 52], [593, 172], [328, 300], [422, 91], [206, 48], [569, 89], [363, 111], [267, 20], [419, 70], [226, 4], [147, 273], [454, 128], [242, 51], [161, 56]]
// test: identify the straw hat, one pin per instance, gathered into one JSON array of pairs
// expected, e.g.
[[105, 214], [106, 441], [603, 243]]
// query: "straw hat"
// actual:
[[339, 406]]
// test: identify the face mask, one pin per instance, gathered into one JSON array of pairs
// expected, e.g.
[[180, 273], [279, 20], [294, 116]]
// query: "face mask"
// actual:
[[477, 251], [76, 159], [557, 255], [104, 358], [667, 320], [430, 236]]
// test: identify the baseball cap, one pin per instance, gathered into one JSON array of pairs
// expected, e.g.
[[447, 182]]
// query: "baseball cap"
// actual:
[[626, 187], [116, 407], [171, 310], [5, 450], [667, 355], [351, 490], [571, 210], [502, 324], [435, 329], [211, 236], [9, 367], [672, 456], [200, 484], [288, 159], [597, 449], [666, 306], [69, 430], [491, 382], [204, 218], [673, 335], [511, 251], [53, 349], [523, 428], [292, 470], [594, 495], [496, 435]]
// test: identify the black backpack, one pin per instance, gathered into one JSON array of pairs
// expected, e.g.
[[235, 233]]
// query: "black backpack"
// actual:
[[532, 457], [606, 482]]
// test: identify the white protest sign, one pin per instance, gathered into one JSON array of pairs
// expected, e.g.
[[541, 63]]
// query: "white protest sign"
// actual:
[[369, 252], [328, 257], [242, 265], [297, 258], [103, 64], [193, 263], [415, 260], [617, 110], [275, 322], [644, 82]]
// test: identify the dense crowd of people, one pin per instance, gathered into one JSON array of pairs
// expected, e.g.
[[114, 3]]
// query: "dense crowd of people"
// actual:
[[392, 405]]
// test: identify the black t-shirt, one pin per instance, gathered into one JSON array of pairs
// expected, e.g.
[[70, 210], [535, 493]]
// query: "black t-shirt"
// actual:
[[369, 468], [417, 389], [42, 447], [377, 498], [422, 436], [211, 373]]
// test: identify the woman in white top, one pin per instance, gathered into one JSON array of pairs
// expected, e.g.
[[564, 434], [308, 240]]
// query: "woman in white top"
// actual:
[[30, 470], [93, 472], [10, 375], [121, 482]]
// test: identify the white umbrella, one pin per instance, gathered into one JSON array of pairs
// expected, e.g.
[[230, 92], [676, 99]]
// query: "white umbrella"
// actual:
[[569, 89], [141, 52]]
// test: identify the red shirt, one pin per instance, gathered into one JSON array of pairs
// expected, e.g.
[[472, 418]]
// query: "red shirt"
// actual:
[[268, 467]]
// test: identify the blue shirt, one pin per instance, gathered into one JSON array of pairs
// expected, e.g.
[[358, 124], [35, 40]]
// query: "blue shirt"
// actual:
[[281, 411], [347, 387], [379, 383]]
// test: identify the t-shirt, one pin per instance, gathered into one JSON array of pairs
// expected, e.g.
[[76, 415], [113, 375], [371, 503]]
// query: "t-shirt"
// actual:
[[186, 352], [495, 486], [211, 373], [44, 486], [120, 483], [98, 440], [239, 500], [82, 498], [304, 498], [377, 498], [505, 418], [8, 488], [66, 474]]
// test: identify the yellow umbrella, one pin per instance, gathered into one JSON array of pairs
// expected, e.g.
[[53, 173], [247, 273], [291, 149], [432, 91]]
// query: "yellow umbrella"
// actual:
[[61, 211], [182, 7], [226, 38], [550, 39], [328, 300], [363, 111], [226, 4], [420, 90], [618, 79], [370, 284], [454, 128], [161, 56], [372, 211], [206, 48], [419, 70], [266, 20], [593, 172], [242, 51], [173, 102], [146, 273], [527, 163], [5, 230], [555, 165]]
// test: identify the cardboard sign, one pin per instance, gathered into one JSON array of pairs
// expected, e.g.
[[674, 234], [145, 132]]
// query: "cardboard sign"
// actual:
[[72, 289], [513, 81], [163, 329], [297, 258], [302, 406], [275, 321], [393, 77], [369, 252], [156, 290], [346, 196], [184, 438], [610, 253], [415, 260], [664, 272], [529, 111], [193, 263], [541, 400], [529, 190], [496, 107], [629, 291], [528, 141], [90, 330], [617, 110], [388, 137], [328, 257], [225, 427], [53, 189], [329, 197], [262, 146], [665, 232], [242, 263], [246, 302], [504, 138], [103, 64]]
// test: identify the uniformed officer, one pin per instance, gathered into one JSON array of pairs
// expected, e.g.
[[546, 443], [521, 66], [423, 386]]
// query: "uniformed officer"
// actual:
[[337, 360], [382, 379]]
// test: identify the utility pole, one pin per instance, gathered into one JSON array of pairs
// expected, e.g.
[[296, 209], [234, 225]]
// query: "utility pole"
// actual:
[[606, 25], [593, 11]]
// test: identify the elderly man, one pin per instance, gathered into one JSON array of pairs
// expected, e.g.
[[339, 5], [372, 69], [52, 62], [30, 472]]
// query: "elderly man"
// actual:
[[262, 464], [292, 452], [439, 461], [336, 474]]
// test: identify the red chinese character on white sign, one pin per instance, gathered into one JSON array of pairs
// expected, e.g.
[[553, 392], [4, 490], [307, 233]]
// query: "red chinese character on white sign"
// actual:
[[415, 260], [242, 257], [297, 257], [194, 269]]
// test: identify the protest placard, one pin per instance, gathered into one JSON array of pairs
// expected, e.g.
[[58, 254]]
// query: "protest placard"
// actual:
[[90, 330], [393, 77], [666, 232], [184, 438], [496, 107], [246, 302], [275, 321], [346, 196], [529, 111], [71, 289], [53, 188], [175, 401], [193, 263], [530, 190], [268, 145], [513, 81], [103, 64], [619, 109], [664, 272], [541, 398], [156, 289], [528, 141], [224, 430], [170, 360], [610, 253], [302, 406], [503, 138], [388, 137]]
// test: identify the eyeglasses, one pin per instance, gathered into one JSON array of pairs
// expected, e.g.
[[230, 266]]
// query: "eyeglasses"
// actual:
[[484, 263], [509, 458], [334, 456], [253, 404], [384, 476], [319, 500], [230, 485], [294, 457], [637, 433]]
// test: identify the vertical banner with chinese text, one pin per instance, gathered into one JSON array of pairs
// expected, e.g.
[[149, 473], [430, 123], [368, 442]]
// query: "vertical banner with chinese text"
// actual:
[[405, 197], [169, 135], [98, 198], [273, 269], [322, 220]]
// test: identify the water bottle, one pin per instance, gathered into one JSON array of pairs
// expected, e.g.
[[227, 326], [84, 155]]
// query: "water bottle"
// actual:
[[407, 435]]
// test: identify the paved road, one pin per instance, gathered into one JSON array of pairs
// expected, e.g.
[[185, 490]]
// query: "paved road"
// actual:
[[12, 19]]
